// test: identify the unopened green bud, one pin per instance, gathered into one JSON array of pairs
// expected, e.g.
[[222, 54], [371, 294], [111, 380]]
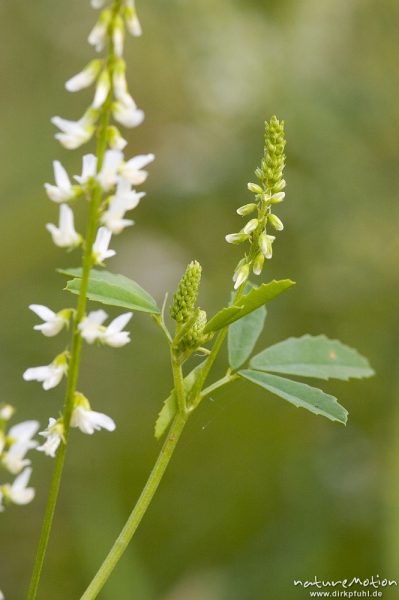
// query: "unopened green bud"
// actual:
[[241, 275], [236, 238], [195, 336], [247, 209], [258, 264], [279, 186], [265, 244], [276, 198], [185, 298], [276, 222], [251, 226], [255, 188]]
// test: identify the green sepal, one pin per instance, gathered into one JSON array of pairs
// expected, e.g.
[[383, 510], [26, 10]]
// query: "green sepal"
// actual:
[[254, 299], [113, 290], [313, 356], [169, 408], [299, 394]]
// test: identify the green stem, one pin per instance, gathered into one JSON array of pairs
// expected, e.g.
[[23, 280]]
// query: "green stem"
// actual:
[[76, 349], [228, 378], [179, 382], [139, 510]]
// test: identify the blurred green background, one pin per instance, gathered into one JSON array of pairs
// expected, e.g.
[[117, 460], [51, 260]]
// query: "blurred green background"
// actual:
[[258, 493]]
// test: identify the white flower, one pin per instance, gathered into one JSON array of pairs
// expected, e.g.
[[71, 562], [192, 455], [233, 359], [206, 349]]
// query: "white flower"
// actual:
[[74, 133], [113, 334], [1, 593], [64, 235], [125, 111], [92, 329], [54, 435], [102, 90], [1, 510], [20, 438], [90, 421], [63, 190], [119, 80], [100, 246], [114, 138], [124, 199], [89, 168], [118, 35], [53, 322], [97, 3], [6, 411], [98, 34], [241, 275], [85, 78], [91, 326], [50, 375], [132, 22], [17, 492], [108, 176], [133, 171]]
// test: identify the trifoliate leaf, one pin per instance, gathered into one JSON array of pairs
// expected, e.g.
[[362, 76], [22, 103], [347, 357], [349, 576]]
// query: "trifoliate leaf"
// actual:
[[299, 394], [254, 299], [243, 335], [113, 290], [313, 356]]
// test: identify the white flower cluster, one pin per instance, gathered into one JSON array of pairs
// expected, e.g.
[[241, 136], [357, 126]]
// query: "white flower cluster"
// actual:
[[15, 443], [113, 180]]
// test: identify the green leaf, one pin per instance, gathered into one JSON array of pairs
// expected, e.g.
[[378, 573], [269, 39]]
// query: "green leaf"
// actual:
[[243, 335], [299, 394], [114, 290], [169, 408], [254, 299], [313, 356]]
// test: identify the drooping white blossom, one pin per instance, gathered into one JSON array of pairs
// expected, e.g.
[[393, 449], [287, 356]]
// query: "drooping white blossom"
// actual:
[[86, 77], [98, 35], [124, 199], [118, 36], [102, 89], [74, 133], [63, 190], [6, 412], [133, 171], [132, 22], [108, 175], [89, 167], [114, 138], [113, 334], [125, 111], [18, 492], [100, 246], [49, 375], [97, 3], [65, 235], [91, 327], [54, 435], [19, 440], [53, 322], [89, 421]]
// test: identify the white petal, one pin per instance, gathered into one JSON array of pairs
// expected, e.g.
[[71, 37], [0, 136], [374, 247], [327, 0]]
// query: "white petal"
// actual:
[[42, 311], [37, 373], [60, 175], [119, 323], [23, 431]]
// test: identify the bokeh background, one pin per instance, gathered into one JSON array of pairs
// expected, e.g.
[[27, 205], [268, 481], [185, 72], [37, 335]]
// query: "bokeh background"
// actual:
[[259, 493]]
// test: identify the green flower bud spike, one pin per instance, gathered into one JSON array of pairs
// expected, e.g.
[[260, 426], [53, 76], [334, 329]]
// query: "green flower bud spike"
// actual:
[[185, 298], [195, 337], [267, 193]]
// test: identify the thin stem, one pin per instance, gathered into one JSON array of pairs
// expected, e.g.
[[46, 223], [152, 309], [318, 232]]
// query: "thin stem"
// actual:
[[179, 382], [228, 378], [76, 349], [139, 510]]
